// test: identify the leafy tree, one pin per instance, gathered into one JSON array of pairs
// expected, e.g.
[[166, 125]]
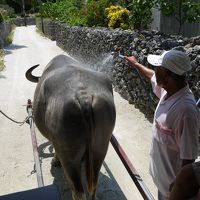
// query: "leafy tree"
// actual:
[[184, 11], [17, 4], [6, 12], [95, 12], [2, 1], [141, 12]]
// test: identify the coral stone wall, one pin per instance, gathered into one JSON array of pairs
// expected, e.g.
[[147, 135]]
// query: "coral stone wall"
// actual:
[[93, 46], [19, 21], [5, 29]]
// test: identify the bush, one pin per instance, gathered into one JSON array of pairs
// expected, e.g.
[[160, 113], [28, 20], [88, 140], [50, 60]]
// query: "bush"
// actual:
[[75, 12], [95, 12], [6, 12], [64, 11], [117, 17]]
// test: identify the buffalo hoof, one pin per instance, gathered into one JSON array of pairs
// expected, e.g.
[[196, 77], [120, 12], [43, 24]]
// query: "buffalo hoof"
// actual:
[[55, 163]]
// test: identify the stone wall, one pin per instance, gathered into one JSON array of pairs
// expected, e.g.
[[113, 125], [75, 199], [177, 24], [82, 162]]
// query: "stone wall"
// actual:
[[93, 46], [5, 29], [19, 21]]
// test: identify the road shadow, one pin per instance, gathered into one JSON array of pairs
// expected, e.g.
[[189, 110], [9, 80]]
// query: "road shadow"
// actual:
[[46, 150], [108, 188], [8, 49], [2, 76]]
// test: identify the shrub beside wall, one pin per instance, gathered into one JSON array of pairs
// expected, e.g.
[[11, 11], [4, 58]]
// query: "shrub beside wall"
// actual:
[[93, 46]]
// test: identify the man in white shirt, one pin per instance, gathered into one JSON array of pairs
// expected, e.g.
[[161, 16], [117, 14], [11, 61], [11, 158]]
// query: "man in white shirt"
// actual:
[[176, 118]]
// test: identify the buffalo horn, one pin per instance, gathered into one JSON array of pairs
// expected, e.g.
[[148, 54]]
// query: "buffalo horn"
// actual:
[[29, 75]]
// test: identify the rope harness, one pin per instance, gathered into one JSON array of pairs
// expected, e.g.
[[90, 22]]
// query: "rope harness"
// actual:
[[17, 122]]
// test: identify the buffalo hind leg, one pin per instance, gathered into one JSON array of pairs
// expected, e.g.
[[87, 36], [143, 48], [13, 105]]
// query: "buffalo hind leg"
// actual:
[[97, 163], [73, 174]]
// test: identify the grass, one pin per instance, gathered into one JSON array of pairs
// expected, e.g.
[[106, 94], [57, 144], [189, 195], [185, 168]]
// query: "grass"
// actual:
[[1, 60], [10, 35], [40, 33]]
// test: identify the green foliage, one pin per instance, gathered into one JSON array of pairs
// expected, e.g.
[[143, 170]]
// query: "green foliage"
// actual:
[[6, 12], [117, 17], [92, 12], [141, 13], [63, 10], [75, 12], [95, 12], [167, 7], [17, 4], [17, 7], [76, 19], [191, 12]]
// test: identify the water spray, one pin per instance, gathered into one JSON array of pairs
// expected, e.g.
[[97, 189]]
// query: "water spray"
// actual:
[[151, 99]]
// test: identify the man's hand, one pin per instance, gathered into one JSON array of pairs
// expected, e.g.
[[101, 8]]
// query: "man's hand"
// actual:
[[131, 60]]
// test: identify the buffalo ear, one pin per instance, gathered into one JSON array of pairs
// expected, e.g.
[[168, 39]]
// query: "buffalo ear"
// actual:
[[29, 75]]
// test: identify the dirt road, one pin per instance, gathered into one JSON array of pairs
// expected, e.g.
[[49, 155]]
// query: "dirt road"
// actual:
[[132, 130]]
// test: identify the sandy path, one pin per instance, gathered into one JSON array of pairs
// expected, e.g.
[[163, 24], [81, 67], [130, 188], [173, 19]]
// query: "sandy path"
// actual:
[[132, 130]]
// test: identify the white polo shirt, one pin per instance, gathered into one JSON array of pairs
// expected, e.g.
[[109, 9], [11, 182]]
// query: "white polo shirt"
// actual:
[[175, 135]]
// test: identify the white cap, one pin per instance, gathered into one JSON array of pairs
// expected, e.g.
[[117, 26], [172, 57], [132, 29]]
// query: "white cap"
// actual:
[[175, 61]]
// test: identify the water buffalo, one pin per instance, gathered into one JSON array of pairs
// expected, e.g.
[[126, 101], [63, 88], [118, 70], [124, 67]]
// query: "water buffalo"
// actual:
[[73, 107]]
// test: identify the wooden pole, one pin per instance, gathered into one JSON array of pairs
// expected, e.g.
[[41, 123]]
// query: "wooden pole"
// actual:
[[144, 191], [24, 13], [41, 15], [34, 145]]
